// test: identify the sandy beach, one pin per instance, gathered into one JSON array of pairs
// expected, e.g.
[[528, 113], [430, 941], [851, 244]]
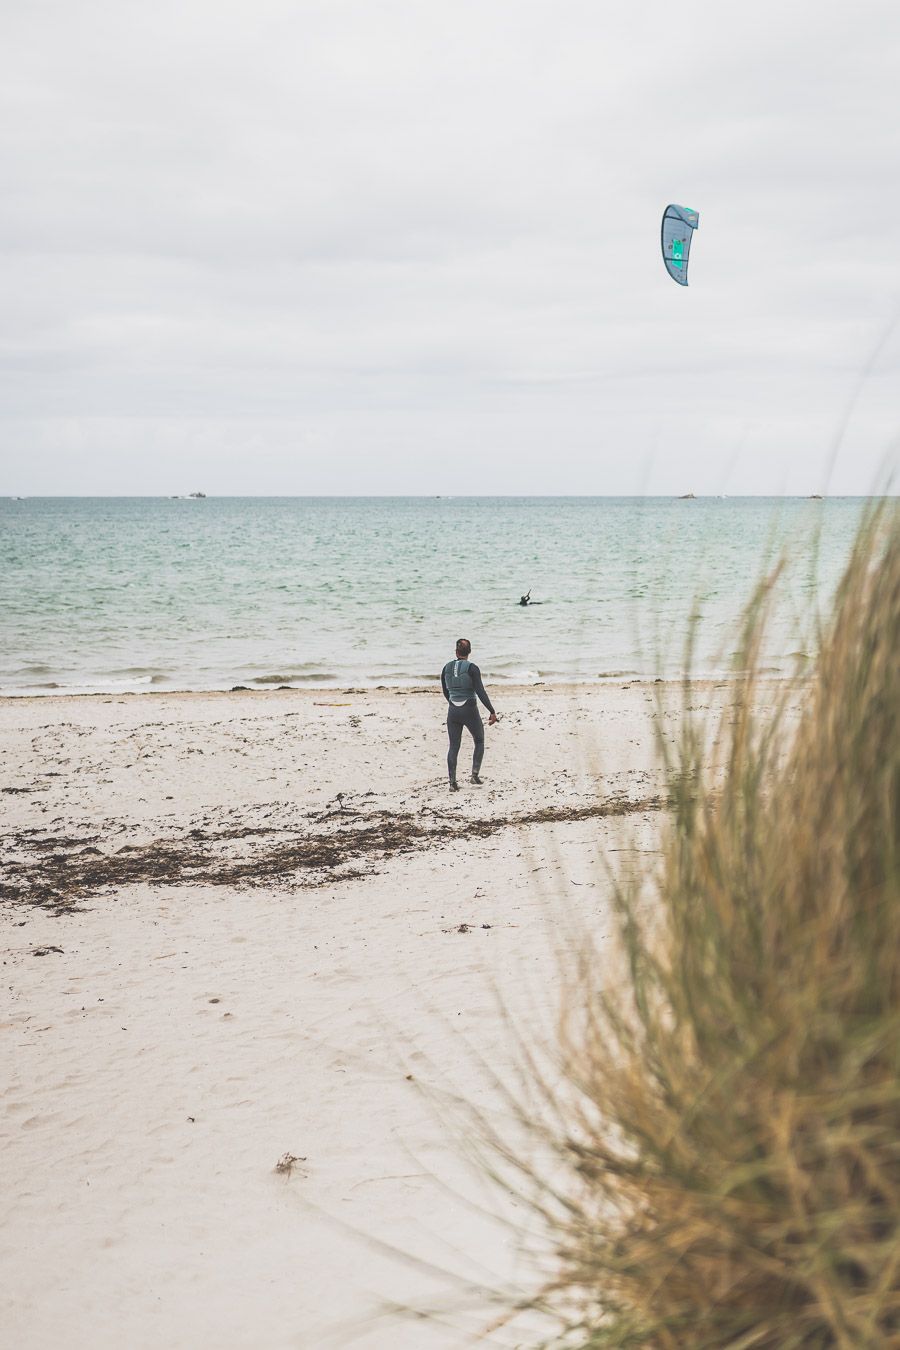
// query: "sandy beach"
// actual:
[[239, 926], [344, 345]]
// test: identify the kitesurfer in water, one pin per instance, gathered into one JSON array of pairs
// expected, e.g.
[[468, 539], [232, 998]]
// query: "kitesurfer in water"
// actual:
[[462, 683], [525, 599]]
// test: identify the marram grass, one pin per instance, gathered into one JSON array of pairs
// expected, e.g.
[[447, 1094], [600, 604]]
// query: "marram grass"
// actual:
[[726, 1166]]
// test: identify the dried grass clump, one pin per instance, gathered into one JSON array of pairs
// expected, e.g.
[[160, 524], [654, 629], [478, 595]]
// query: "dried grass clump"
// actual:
[[730, 1171]]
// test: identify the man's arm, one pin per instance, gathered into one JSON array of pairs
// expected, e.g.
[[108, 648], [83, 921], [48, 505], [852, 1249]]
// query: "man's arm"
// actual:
[[480, 689], [444, 684]]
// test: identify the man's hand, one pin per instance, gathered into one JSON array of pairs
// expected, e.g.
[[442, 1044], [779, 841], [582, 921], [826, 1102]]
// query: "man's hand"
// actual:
[[492, 719]]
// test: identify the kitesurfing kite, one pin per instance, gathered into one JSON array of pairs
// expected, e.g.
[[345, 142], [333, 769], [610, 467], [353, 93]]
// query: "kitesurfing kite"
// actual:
[[678, 226]]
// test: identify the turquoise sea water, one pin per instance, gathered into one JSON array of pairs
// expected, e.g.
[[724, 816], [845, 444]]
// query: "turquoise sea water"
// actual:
[[136, 593]]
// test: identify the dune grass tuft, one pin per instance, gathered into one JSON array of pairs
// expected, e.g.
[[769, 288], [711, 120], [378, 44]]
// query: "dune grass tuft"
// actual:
[[727, 1165]]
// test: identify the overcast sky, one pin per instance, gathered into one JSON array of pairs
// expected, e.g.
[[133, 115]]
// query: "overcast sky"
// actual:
[[406, 246]]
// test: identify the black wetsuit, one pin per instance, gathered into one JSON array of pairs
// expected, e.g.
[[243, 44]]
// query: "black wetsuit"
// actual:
[[462, 680]]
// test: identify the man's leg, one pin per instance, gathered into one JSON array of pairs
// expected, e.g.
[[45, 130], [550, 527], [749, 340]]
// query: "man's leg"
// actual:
[[454, 731], [476, 726]]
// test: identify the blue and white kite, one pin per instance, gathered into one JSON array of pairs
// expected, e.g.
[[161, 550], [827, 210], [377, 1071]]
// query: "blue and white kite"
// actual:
[[678, 226]]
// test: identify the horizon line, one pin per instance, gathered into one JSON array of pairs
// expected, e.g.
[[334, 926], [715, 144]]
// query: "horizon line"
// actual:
[[446, 496]]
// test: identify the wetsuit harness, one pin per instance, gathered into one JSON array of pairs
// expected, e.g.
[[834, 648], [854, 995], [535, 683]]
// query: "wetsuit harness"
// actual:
[[462, 683]]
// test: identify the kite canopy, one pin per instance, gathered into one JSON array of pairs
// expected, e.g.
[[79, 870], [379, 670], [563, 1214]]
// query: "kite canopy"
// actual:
[[678, 226]]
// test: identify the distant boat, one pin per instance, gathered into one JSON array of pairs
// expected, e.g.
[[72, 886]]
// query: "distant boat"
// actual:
[[196, 495], [815, 497], [687, 497]]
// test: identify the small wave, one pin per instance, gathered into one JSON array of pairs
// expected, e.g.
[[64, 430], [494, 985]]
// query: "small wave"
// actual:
[[96, 684], [319, 676], [575, 674], [299, 667], [152, 672], [403, 675], [40, 687], [511, 675], [107, 685]]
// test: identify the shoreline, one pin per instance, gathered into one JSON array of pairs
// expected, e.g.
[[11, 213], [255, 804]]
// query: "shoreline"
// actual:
[[518, 689]]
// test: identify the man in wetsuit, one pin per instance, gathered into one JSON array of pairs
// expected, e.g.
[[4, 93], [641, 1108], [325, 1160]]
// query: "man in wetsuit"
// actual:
[[461, 682]]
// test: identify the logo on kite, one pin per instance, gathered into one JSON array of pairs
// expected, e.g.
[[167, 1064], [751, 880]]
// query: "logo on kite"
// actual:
[[678, 226]]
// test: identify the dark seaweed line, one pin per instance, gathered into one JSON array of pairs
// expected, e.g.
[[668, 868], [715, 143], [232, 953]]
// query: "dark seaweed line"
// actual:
[[57, 880]]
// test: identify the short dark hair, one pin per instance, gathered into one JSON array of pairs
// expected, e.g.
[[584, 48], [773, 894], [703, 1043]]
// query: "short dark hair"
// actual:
[[463, 647]]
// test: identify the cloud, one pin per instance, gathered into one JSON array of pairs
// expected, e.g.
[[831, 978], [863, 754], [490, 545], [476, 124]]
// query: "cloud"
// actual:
[[390, 229]]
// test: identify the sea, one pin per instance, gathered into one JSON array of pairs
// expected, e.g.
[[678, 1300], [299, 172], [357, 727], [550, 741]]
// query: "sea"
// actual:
[[197, 593]]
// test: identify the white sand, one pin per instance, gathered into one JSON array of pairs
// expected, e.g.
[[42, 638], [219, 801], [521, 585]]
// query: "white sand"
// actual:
[[190, 1034]]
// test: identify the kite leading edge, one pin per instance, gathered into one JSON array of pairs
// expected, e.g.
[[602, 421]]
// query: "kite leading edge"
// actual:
[[678, 226]]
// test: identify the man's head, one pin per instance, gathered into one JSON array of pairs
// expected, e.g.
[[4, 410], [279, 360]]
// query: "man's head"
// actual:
[[463, 649]]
